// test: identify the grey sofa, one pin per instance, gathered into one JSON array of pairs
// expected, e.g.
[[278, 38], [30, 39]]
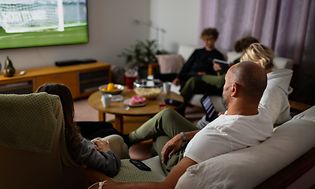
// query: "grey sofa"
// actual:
[[256, 166]]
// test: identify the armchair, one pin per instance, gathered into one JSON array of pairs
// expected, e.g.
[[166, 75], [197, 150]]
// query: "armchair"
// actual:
[[32, 144]]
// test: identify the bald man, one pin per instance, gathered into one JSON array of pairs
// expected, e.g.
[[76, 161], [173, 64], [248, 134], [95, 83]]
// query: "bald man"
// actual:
[[243, 125]]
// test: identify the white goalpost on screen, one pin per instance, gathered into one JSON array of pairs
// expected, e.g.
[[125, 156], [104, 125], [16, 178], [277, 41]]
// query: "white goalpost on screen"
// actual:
[[61, 25], [18, 16]]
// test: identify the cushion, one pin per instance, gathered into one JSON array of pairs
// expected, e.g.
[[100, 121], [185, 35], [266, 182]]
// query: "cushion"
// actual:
[[186, 50], [282, 63], [308, 114], [249, 167], [155, 164], [130, 173], [232, 55], [170, 63]]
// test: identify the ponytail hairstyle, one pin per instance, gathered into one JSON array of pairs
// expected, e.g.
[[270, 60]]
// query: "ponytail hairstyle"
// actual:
[[259, 54]]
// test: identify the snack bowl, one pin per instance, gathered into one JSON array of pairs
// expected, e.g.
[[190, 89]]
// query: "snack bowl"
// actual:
[[148, 88], [117, 89]]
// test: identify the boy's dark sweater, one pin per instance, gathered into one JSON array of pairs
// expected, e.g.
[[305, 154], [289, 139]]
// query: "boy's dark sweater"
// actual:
[[200, 61]]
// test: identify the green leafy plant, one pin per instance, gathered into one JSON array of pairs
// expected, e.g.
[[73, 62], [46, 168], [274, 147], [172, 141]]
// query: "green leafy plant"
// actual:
[[141, 54]]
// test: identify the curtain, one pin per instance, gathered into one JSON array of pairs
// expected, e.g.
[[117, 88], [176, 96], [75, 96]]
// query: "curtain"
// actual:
[[287, 26], [279, 24]]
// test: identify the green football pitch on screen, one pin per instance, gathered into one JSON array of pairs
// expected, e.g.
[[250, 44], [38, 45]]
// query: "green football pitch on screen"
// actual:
[[70, 35]]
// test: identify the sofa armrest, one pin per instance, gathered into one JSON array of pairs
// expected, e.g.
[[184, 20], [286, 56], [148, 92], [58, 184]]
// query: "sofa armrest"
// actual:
[[292, 172], [249, 167]]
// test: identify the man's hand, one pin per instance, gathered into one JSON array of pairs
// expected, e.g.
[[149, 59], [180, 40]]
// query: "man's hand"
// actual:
[[176, 81], [171, 147], [101, 145], [217, 67]]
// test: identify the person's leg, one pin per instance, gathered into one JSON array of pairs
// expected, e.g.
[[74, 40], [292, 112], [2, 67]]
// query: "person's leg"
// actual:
[[117, 145], [216, 81], [159, 143], [195, 85], [165, 123], [207, 84], [191, 86]]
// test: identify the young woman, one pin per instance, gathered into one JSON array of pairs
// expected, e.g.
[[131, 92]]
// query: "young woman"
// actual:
[[102, 154], [275, 98]]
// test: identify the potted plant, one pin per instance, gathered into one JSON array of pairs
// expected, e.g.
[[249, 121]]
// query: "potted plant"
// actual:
[[140, 55]]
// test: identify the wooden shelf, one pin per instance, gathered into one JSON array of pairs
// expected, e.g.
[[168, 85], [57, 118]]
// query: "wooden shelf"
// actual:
[[72, 76]]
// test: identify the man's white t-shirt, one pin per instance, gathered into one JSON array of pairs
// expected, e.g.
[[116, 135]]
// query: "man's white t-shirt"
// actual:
[[228, 133]]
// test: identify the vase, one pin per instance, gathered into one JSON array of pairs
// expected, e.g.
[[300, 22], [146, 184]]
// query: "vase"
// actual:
[[8, 69]]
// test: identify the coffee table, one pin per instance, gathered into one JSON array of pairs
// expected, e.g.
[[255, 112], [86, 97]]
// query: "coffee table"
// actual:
[[119, 109]]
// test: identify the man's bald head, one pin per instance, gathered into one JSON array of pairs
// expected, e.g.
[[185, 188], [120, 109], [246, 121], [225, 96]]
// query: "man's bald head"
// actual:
[[251, 78], [245, 80]]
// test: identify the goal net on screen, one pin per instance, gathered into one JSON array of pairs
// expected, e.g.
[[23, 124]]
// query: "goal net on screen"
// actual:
[[18, 16]]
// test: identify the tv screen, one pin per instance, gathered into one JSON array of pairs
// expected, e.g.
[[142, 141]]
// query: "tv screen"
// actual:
[[29, 23]]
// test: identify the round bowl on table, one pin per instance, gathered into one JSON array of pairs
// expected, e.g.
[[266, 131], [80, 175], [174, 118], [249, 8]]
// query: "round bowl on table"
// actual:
[[148, 88], [119, 89]]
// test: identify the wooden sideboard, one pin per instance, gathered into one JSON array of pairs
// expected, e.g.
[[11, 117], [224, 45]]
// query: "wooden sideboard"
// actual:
[[82, 79]]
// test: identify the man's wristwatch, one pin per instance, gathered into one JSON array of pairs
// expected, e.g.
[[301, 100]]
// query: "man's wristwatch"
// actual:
[[183, 137]]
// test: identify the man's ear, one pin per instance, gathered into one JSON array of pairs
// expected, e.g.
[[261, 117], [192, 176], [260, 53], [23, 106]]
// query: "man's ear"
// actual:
[[234, 90]]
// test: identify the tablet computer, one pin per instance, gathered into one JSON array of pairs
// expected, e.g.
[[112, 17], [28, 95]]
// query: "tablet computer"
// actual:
[[208, 107]]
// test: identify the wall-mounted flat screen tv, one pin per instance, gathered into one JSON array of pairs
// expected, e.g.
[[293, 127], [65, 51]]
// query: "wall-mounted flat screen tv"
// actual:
[[31, 23]]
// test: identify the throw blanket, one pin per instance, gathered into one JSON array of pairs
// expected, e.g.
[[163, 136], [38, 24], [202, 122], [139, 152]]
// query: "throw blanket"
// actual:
[[29, 122]]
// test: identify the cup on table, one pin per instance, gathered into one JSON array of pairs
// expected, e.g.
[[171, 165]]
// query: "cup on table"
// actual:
[[106, 99], [167, 87], [130, 76]]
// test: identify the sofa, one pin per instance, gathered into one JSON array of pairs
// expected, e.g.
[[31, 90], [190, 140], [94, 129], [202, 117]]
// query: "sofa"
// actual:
[[32, 144], [185, 51], [250, 167], [282, 161]]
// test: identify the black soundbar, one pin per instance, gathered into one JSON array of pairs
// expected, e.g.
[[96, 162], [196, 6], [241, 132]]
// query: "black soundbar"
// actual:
[[74, 62]]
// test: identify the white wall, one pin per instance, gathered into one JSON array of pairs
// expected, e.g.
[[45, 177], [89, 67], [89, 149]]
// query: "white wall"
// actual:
[[111, 30], [180, 19]]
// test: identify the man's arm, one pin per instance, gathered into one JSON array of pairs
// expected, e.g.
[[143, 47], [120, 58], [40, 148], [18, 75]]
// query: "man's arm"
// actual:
[[175, 144], [191, 134], [169, 182]]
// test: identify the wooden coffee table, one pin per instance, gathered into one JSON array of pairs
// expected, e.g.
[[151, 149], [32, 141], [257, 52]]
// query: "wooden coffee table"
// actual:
[[119, 109]]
